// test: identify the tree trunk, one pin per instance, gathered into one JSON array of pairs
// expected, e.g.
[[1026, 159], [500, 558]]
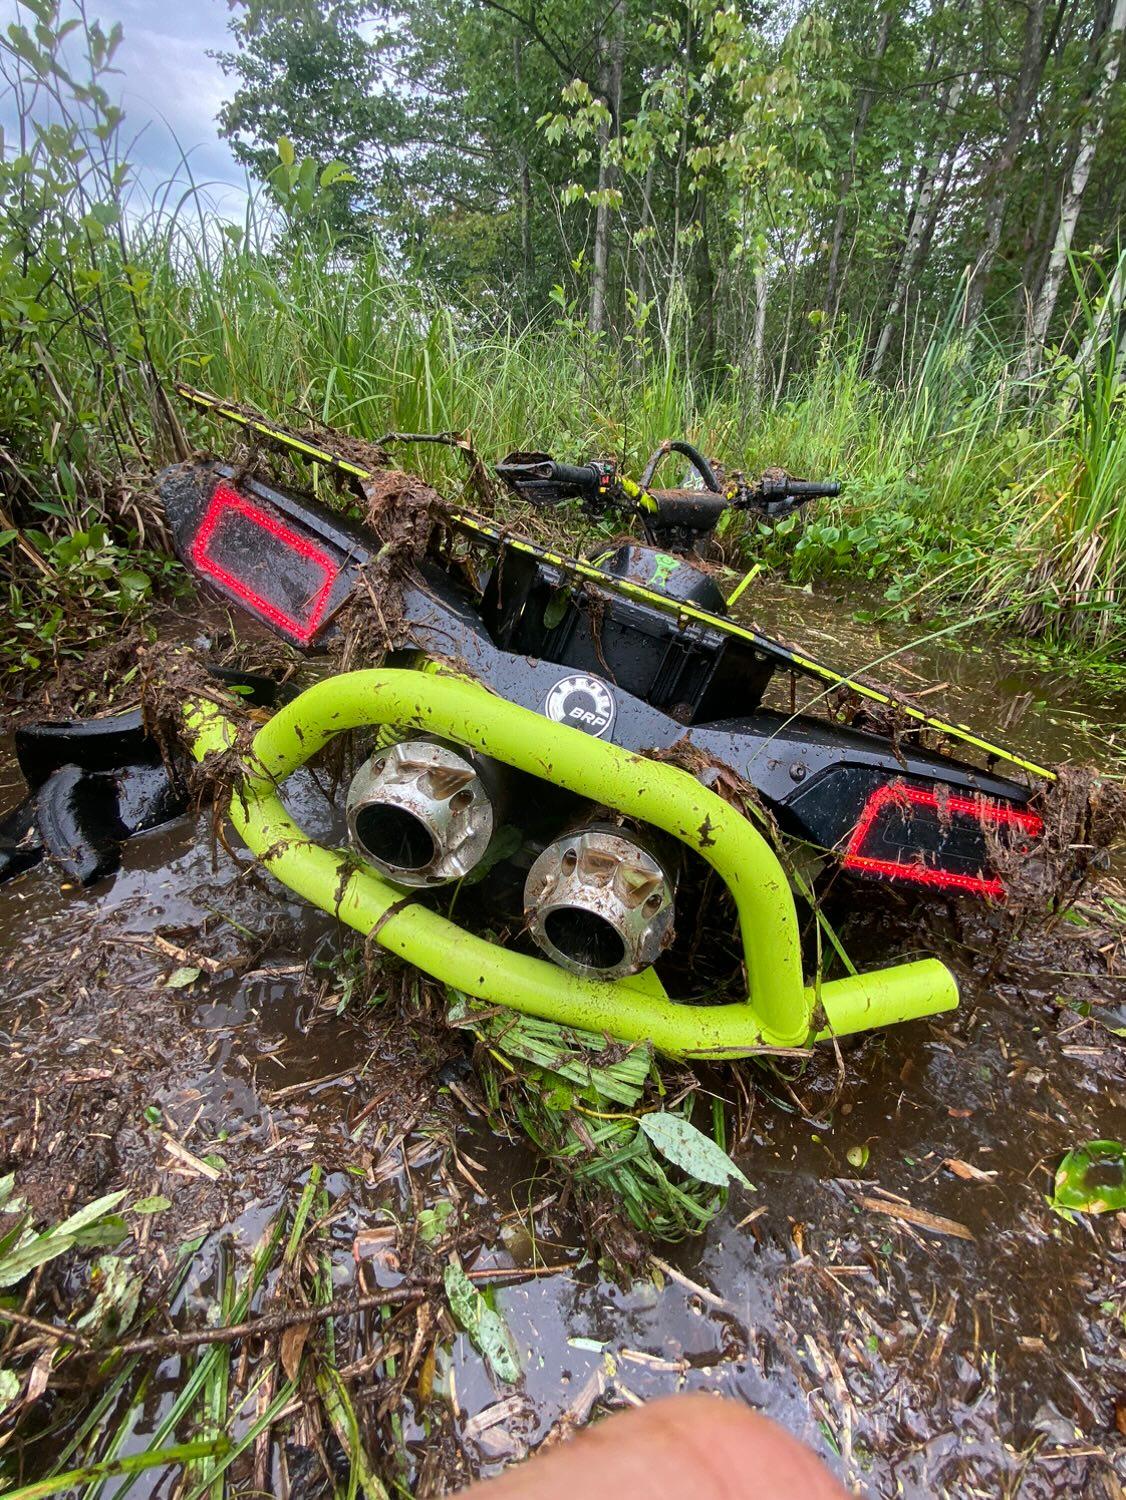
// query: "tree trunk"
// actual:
[[610, 49], [522, 169], [758, 344], [1093, 120], [1000, 173], [863, 109], [923, 214], [784, 357]]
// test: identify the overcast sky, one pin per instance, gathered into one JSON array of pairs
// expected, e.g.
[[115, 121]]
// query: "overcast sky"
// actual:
[[169, 89]]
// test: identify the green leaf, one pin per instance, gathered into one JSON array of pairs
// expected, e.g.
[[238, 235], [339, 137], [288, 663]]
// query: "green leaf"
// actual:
[[336, 171], [86, 1217], [108, 1231], [678, 1141], [286, 153], [487, 1330], [95, 1224], [9, 1389], [433, 1222], [1091, 1179], [155, 1205], [857, 1156], [589, 1346], [179, 979], [119, 1292]]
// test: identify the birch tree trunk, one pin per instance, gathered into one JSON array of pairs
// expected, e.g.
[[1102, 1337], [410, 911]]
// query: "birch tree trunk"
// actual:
[[758, 344], [1090, 131], [522, 168], [914, 245]]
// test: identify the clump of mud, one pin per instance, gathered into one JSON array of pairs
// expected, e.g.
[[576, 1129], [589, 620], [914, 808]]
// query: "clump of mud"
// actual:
[[1084, 817]]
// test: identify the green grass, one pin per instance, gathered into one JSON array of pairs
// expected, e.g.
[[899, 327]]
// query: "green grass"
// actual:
[[957, 489]]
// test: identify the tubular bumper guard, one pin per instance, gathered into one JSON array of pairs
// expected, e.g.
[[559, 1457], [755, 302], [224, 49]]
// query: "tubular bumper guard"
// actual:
[[779, 1010]]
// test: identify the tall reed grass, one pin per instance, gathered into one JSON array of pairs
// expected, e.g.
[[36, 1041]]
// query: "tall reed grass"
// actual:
[[963, 486]]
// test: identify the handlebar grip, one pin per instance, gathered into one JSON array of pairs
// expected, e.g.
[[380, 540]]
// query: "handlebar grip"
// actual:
[[810, 489], [579, 474], [547, 471]]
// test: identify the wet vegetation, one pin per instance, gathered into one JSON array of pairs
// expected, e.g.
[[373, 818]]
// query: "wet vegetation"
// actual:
[[269, 1216]]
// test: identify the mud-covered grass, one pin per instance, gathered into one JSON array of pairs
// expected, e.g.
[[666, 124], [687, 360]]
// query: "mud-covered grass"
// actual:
[[894, 1286]]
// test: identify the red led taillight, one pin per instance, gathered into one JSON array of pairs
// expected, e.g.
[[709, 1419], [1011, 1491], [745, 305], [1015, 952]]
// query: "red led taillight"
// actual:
[[948, 805], [227, 507]]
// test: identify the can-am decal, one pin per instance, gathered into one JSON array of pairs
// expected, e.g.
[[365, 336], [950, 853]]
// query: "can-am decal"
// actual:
[[582, 702]]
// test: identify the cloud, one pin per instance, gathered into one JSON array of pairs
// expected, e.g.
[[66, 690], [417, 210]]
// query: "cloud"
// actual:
[[170, 91]]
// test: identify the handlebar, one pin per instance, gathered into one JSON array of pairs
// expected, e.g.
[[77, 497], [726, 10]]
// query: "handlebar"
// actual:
[[688, 451], [547, 469], [782, 487], [538, 478]]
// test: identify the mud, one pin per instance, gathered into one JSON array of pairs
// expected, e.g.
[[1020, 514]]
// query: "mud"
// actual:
[[1048, 713], [918, 1358]]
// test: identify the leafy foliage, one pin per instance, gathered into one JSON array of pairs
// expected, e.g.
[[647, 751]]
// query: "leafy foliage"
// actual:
[[1091, 1179]]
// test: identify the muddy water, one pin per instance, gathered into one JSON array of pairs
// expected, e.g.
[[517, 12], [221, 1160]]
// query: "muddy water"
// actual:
[[984, 1359], [1044, 714]]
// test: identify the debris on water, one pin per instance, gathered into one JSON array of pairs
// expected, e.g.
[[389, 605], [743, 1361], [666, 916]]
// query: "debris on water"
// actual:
[[584, 1103], [1084, 816], [486, 1328]]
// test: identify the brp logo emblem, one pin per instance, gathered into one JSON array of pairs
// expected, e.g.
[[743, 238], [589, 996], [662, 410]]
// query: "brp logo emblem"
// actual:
[[583, 703]]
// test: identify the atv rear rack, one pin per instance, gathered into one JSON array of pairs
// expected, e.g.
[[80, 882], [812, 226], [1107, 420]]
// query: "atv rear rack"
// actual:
[[779, 1010]]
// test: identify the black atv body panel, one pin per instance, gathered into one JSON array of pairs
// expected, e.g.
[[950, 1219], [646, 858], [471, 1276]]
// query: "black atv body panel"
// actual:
[[654, 680], [94, 783]]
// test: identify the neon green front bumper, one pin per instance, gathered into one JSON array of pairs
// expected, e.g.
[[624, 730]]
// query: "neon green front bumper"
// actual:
[[779, 1010]]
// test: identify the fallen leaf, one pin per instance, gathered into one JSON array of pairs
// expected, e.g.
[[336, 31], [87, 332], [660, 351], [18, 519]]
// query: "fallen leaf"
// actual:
[[182, 1154], [690, 1149], [39, 1377], [486, 1328], [292, 1347], [1091, 1179], [918, 1216], [967, 1171], [179, 979]]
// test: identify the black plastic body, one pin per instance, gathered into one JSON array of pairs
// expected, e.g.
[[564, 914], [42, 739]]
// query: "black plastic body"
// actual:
[[651, 679], [687, 670]]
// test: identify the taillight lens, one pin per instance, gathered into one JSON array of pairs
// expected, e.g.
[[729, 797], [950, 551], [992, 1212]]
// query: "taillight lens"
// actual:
[[933, 837], [265, 564]]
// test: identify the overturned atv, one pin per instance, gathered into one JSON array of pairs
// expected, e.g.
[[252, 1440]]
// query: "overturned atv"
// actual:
[[588, 746]]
